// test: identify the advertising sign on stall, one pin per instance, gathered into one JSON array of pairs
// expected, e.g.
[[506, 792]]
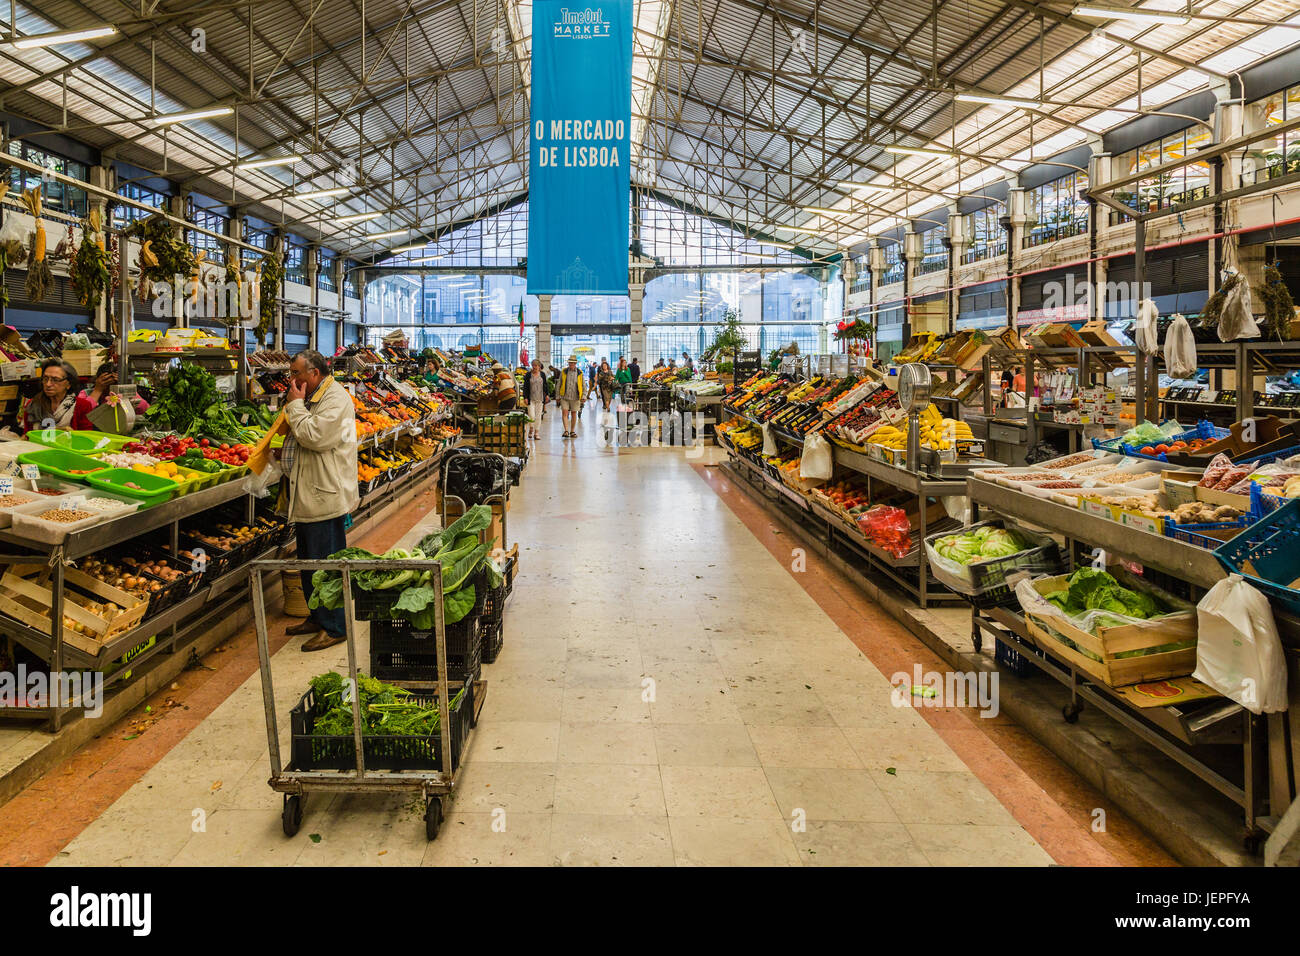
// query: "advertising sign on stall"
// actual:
[[579, 154]]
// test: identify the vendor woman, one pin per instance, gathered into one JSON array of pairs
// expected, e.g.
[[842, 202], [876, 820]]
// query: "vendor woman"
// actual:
[[57, 404], [97, 395]]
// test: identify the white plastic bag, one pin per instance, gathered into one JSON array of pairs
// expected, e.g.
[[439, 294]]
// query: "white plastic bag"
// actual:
[[769, 443], [1237, 648], [1145, 335], [817, 460], [1236, 321], [1180, 349]]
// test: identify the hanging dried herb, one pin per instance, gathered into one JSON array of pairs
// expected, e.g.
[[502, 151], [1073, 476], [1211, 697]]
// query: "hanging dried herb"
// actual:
[[1279, 307], [89, 271], [39, 276], [164, 255], [271, 271], [1213, 310]]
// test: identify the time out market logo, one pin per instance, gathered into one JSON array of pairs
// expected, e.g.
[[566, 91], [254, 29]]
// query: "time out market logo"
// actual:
[[586, 24]]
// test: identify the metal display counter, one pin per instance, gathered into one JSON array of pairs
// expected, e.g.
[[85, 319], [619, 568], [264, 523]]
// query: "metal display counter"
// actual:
[[174, 627], [1180, 732]]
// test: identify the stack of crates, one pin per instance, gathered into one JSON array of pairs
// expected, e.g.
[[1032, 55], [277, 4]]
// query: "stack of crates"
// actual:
[[502, 435], [400, 654]]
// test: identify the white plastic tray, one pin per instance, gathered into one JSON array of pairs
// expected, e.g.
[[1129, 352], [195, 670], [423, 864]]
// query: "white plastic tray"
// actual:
[[26, 524], [6, 513]]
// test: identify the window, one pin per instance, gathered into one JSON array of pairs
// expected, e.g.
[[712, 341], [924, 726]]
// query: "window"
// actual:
[[326, 259], [349, 281], [125, 215], [1167, 189], [986, 238], [212, 221], [1056, 210], [55, 195], [295, 260], [1279, 156], [934, 255], [893, 263], [259, 238], [862, 275]]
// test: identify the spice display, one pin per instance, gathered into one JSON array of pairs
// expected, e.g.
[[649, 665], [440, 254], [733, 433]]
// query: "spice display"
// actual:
[[8, 501], [104, 504]]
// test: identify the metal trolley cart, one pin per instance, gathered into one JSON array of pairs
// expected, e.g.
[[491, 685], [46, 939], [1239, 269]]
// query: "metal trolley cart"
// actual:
[[503, 435], [425, 765]]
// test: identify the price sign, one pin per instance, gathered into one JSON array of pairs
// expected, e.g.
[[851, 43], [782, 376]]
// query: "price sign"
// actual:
[[13, 469], [31, 472], [6, 485], [11, 371], [76, 502], [102, 443]]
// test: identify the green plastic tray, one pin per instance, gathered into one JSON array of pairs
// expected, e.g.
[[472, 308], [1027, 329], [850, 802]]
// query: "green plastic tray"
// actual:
[[152, 490], [78, 441], [60, 463]]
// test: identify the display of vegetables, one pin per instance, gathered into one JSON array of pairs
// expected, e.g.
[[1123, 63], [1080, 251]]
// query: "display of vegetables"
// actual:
[[1090, 589], [458, 548], [980, 544], [385, 708]]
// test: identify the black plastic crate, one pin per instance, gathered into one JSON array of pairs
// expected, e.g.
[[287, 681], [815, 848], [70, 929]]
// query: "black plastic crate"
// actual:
[[493, 639], [494, 606], [1010, 658], [382, 751], [400, 653]]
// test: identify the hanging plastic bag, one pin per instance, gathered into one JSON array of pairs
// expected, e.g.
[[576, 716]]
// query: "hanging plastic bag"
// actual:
[[1238, 652], [817, 460], [1145, 334], [769, 443], [1237, 322], [1180, 349]]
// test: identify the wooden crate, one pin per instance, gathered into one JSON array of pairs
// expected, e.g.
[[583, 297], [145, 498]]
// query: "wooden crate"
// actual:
[[85, 361], [1109, 642], [25, 590]]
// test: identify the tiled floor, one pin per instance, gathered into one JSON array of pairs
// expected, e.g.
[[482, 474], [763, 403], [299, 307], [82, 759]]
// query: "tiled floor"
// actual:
[[669, 692]]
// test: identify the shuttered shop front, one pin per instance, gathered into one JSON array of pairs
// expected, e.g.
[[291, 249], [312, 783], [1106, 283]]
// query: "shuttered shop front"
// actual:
[[982, 306]]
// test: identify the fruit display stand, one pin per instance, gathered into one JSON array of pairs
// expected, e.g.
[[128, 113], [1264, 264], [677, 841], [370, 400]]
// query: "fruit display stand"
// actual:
[[1193, 734]]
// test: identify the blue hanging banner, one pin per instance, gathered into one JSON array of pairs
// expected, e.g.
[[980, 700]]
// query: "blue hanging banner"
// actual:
[[580, 153]]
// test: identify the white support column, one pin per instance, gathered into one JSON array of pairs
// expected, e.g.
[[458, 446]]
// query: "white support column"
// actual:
[[312, 257], [544, 330], [636, 339]]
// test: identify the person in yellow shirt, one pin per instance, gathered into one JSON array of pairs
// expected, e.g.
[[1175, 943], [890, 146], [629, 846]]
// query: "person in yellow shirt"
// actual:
[[570, 392]]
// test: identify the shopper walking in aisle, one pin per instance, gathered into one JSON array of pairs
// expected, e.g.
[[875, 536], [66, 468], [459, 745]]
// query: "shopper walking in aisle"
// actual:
[[570, 393], [635, 370], [319, 459], [624, 378], [535, 390], [606, 382]]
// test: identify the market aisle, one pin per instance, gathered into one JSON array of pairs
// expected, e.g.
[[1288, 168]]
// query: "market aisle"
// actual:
[[669, 693]]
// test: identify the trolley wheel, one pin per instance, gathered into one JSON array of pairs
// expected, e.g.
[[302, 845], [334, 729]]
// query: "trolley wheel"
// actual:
[[291, 816], [1071, 712], [432, 818]]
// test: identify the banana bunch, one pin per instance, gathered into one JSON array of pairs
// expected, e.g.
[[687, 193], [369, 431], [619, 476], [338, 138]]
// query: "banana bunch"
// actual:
[[889, 437]]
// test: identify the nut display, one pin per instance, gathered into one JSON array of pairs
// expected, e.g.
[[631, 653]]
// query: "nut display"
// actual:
[[64, 516], [8, 501]]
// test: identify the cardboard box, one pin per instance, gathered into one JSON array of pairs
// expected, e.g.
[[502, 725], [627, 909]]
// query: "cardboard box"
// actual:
[[1095, 333], [1211, 496], [1142, 522]]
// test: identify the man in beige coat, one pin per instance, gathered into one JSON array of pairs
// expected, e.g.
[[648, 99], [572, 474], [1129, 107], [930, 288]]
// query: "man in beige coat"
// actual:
[[319, 459]]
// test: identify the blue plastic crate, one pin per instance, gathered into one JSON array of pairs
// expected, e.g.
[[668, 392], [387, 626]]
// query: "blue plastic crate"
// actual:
[[1012, 659], [1272, 546], [1203, 430], [1269, 456], [1195, 533], [1262, 503]]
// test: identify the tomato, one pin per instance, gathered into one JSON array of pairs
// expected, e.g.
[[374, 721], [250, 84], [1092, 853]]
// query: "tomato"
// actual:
[[1147, 450], [225, 447], [1161, 448]]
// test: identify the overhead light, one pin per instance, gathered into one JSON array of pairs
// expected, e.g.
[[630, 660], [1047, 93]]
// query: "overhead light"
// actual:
[[803, 229], [66, 36], [411, 248], [769, 242], [917, 151], [430, 258], [326, 194], [384, 235], [270, 161], [358, 217], [865, 187], [1130, 13], [166, 119], [825, 211], [1013, 101]]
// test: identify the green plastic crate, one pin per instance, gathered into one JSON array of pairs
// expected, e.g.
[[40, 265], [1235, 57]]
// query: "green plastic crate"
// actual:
[[151, 489], [62, 464]]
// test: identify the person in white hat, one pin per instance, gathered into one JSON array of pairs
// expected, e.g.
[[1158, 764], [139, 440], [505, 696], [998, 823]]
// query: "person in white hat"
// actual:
[[570, 392]]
